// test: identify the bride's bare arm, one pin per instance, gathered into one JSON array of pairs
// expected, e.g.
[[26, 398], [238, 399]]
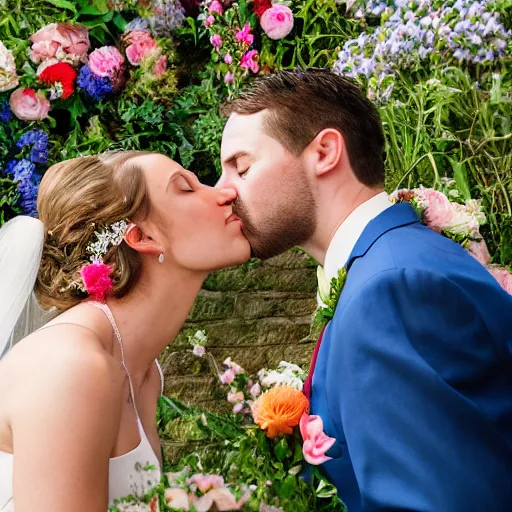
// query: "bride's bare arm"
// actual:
[[65, 424]]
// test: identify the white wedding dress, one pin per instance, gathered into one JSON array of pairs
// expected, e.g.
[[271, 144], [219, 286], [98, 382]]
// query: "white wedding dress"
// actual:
[[126, 475]]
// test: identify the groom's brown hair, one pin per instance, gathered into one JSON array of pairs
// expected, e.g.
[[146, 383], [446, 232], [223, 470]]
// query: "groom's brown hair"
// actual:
[[302, 103]]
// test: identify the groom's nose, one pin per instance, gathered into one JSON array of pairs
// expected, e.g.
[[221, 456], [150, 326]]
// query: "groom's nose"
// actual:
[[226, 195]]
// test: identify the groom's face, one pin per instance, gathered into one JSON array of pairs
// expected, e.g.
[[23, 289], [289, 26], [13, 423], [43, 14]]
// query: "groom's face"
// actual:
[[274, 202]]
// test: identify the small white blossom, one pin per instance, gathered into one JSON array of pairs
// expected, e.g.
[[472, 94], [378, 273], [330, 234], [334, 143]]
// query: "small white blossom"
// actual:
[[199, 350]]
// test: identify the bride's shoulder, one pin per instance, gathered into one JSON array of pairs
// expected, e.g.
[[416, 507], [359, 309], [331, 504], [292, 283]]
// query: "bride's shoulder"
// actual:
[[63, 356]]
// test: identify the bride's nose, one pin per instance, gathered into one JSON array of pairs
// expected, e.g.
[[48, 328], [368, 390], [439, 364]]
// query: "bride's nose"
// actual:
[[226, 196]]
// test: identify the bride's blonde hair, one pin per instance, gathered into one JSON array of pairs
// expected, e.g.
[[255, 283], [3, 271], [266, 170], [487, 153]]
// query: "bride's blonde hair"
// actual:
[[77, 197]]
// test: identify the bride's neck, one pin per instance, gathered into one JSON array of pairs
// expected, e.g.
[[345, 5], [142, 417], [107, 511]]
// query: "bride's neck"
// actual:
[[151, 316]]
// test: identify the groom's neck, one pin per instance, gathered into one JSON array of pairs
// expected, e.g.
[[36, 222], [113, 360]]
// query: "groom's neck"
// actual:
[[334, 205]]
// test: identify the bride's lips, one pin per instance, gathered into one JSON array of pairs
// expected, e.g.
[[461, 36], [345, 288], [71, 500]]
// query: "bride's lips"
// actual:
[[233, 218]]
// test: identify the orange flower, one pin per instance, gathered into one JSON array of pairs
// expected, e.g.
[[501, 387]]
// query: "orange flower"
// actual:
[[279, 409]]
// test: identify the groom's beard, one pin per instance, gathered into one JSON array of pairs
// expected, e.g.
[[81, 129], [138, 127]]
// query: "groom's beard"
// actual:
[[283, 226]]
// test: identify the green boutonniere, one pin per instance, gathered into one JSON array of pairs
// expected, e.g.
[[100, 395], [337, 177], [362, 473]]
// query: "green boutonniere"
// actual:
[[329, 293]]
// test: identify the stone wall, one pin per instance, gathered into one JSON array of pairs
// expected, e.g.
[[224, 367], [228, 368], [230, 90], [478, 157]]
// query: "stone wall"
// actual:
[[259, 314]]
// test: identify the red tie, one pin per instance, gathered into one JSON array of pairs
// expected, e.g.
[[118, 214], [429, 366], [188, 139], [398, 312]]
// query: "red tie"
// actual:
[[309, 381]]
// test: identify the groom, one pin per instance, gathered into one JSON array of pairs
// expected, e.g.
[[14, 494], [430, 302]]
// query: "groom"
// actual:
[[413, 376]]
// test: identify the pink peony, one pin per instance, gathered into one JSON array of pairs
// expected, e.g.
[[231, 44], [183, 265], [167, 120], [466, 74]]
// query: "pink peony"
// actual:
[[233, 398], [316, 443], [140, 46], [96, 279], [210, 20], [160, 65], [250, 61], [228, 376], [277, 22], [228, 59], [177, 499], [229, 77], [206, 482], [439, 213], [221, 497], [216, 6], [479, 251], [28, 105], [244, 35], [61, 40], [216, 41], [106, 61], [503, 276]]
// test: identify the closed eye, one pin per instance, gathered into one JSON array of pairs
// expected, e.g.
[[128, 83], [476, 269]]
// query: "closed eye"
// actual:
[[183, 184], [243, 174]]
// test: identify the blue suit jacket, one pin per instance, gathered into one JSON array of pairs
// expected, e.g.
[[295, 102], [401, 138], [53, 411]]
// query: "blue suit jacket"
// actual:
[[414, 376]]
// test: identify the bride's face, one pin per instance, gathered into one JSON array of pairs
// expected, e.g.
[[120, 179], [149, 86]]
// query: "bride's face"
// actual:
[[194, 223]]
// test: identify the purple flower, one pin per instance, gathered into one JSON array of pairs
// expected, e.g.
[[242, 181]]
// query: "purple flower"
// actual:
[[216, 41], [96, 87]]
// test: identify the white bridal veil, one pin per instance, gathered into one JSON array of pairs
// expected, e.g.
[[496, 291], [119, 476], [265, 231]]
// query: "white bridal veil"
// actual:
[[21, 246]]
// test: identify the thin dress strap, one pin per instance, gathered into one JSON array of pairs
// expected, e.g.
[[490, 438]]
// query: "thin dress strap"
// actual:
[[110, 316]]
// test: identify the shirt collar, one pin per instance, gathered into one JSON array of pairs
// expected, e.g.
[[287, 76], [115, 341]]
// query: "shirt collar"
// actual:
[[347, 234]]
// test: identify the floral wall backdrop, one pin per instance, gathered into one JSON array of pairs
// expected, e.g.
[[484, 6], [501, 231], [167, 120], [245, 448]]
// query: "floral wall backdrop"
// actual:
[[79, 77]]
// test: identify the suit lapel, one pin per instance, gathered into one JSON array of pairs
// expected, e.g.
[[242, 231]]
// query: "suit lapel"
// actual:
[[399, 215]]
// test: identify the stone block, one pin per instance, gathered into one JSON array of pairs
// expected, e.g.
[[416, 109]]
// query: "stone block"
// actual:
[[294, 280], [274, 304], [212, 306], [191, 389], [291, 259], [229, 279], [178, 363]]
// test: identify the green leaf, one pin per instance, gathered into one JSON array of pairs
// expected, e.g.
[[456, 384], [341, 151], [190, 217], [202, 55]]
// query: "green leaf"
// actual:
[[62, 3], [282, 450], [460, 175]]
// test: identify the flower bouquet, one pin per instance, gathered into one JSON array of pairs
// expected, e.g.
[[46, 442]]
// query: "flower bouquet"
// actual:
[[253, 459]]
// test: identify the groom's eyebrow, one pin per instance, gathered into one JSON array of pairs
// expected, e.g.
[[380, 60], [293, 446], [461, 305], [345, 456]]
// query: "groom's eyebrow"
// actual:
[[232, 159]]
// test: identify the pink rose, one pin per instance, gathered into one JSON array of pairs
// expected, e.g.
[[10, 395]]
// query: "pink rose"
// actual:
[[229, 77], [255, 390], [216, 6], [316, 443], [106, 61], [244, 35], [28, 105], [479, 251], [277, 22], [141, 45], [160, 65], [439, 213], [228, 59], [503, 276], [228, 376], [250, 61], [210, 20], [238, 408], [216, 41], [206, 482], [62, 40]]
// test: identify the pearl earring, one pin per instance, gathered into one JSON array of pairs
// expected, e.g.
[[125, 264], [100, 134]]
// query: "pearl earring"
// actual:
[[161, 258]]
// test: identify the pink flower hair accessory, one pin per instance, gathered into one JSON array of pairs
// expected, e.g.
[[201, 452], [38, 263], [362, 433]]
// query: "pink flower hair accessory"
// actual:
[[96, 276]]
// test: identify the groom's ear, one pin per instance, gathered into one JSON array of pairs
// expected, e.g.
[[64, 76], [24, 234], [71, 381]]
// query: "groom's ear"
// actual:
[[140, 241], [327, 149]]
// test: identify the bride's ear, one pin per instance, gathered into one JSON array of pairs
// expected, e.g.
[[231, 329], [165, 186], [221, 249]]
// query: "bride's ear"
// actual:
[[140, 242]]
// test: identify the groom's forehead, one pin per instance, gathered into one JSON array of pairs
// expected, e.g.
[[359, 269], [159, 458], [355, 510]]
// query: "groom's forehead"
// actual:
[[241, 133]]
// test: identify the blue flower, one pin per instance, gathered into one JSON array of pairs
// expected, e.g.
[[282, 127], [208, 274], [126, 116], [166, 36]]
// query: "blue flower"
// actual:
[[96, 87], [39, 140], [23, 173], [5, 113]]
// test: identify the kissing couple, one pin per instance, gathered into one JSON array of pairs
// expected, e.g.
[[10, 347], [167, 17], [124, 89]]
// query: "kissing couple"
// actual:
[[412, 376]]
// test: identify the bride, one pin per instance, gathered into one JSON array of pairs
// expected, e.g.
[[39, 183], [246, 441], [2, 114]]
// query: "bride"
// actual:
[[78, 396]]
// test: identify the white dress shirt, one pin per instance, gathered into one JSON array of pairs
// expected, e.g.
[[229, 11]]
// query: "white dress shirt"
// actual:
[[349, 231]]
